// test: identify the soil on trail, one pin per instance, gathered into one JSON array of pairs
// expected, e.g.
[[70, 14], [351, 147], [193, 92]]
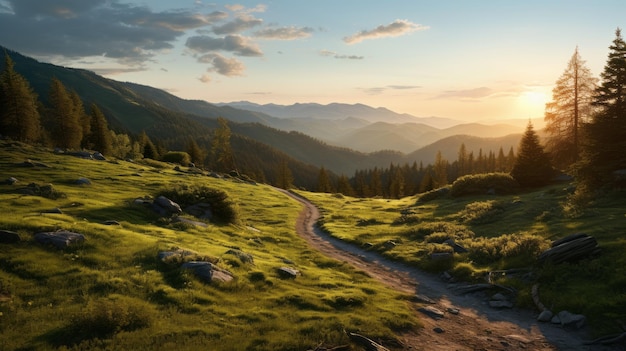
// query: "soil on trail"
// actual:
[[477, 326]]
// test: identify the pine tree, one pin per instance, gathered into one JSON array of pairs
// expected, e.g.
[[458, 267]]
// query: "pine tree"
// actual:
[[84, 120], [19, 116], [532, 166], [221, 153], [99, 137], [196, 153], [440, 169], [462, 161], [323, 181], [396, 187], [343, 186], [67, 131], [569, 109], [284, 176], [606, 134]]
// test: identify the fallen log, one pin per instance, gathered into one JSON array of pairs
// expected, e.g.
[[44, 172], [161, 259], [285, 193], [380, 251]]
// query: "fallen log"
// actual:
[[570, 248]]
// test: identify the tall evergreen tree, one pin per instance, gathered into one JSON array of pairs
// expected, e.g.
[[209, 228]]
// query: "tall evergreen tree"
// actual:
[[532, 166], [221, 153], [284, 177], [19, 116], [323, 181], [196, 153], [440, 169], [606, 134], [83, 118], [67, 131], [343, 186], [571, 106], [99, 137]]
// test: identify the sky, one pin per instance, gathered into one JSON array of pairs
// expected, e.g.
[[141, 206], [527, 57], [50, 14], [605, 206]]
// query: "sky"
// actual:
[[469, 60]]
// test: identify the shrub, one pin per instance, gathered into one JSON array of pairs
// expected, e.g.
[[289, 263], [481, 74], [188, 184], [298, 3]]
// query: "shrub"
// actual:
[[179, 157], [499, 183], [447, 229], [103, 318], [482, 212], [434, 194], [489, 250]]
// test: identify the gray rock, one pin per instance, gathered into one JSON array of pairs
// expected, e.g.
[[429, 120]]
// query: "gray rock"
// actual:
[[208, 272], [167, 204], [83, 181], [432, 312], [438, 330], [98, 156], [61, 239], [453, 310], [55, 210], [200, 210], [288, 272], [11, 180], [9, 237], [499, 297], [545, 316], [389, 244], [111, 222], [555, 319], [242, 256], [456, 247], [166, 256], [424, 299], [571, 319]]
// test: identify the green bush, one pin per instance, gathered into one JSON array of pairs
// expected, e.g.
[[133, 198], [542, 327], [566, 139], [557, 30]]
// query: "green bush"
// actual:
[[105, 317], [482, 212], [498, 183], [440, 230], [179, 157], [434, 194], [521, 245], [224, 210]]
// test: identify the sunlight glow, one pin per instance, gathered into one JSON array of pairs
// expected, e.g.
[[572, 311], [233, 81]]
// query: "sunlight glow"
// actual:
[[533, 102]]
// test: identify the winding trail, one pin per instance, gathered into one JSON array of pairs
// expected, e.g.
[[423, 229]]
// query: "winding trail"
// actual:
[[476, 327]]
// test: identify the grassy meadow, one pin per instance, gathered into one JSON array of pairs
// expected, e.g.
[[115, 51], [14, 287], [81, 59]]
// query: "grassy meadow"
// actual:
[[501, 232], [111, 292]]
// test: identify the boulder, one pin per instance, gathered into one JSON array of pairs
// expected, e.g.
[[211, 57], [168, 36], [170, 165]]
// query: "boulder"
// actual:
[[570, 248], [424, 299], [82, 181], [545, 316], [200, 210], [208, 272], [11, 181], [9, 237], [61, 239], [571, 319], [98, 156], [167, 204], [242, 256], [288, 272]]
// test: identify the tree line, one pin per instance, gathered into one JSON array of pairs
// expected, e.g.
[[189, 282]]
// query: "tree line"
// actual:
[[397, 181]]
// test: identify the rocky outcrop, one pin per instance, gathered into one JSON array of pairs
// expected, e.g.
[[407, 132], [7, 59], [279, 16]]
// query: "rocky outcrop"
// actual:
[[60, 239], [208, 272]]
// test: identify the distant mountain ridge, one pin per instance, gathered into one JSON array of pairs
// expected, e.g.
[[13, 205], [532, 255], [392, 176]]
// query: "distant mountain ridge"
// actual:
[[259, 140]]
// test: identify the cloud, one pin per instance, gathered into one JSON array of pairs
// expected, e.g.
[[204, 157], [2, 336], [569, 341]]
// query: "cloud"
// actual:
[[380, 90], [395, 29], [284, 33], [468, 94], [73, 29], [205, 78], [236, 44], [238, 25], [341, 57], [223, 65]]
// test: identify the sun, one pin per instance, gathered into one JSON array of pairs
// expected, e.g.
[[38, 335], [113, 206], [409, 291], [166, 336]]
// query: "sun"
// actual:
[[532, 103]]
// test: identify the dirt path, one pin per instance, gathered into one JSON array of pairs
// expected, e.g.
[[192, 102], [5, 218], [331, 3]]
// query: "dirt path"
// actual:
[[476, 327]]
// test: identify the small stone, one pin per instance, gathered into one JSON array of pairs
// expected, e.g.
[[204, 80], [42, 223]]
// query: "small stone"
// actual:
[[424, 299], [545, 316], [453, 310], [111, 222], [438, 330], [288, 272], [500, 304], [432, 312]]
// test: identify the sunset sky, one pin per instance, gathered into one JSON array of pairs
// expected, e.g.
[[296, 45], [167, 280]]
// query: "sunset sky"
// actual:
[[469, 60]]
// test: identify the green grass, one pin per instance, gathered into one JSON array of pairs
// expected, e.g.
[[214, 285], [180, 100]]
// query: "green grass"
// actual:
[[500, 232], [112, 293]]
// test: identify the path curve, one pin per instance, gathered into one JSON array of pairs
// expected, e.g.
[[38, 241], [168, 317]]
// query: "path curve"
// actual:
[[476, 327]]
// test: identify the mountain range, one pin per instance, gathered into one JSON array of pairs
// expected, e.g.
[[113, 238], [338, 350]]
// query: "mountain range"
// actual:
[[340, 137]]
